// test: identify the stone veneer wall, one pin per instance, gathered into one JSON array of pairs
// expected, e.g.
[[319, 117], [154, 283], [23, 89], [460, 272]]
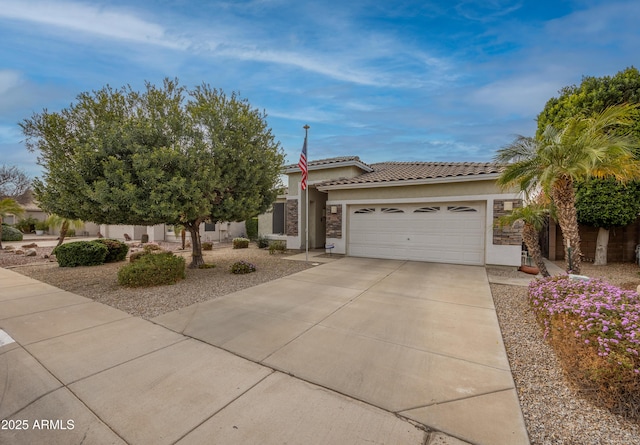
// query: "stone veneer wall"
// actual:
[[505, 236], [292, 217], [334, 223]]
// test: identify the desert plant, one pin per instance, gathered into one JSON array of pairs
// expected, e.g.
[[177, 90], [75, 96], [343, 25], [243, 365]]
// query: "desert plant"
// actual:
[[80, 253], [242, 267], [8, 205], [207, 246], [135, 256], [251, 226], [594, 328], [152, 247], [277, 246], [42, 225], [581, 148], [240, 243], [25, 225], [153, 270], [262, 242], [117, 250], [67, 226], [10, 233]]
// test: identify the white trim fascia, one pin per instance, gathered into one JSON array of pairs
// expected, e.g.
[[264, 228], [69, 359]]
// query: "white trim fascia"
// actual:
[[460, 198], [359, 164], [448, 179]]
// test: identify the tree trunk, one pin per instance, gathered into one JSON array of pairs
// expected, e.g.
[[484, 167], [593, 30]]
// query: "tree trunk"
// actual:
[[183, 235], [196, 247], [564, 198], [63, 232], [602, 244], [530, 238], [1, 231]]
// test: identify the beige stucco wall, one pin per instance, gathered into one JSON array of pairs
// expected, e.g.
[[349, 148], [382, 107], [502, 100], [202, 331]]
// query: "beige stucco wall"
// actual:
[[469, 188], [323, 175]]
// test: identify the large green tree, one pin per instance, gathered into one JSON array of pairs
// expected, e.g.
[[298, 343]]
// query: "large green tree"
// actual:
[[594, 95], [162, 155], [581, 148], [605, 203]]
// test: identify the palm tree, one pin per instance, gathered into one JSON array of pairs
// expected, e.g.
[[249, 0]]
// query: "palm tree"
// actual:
[[533, 218], [8, 205], [64, 224], [593, 146]]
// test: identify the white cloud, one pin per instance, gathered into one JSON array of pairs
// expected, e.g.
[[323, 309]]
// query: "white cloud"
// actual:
[[486, 10], [90, 19], [9, 79], [524, 95]]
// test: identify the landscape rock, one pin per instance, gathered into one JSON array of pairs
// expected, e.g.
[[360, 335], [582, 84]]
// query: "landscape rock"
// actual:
[[18, 251], [30, 252], [9, 248], [29, 246]]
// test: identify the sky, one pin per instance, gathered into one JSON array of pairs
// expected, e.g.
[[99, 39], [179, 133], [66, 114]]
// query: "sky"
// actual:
[[397, 80]]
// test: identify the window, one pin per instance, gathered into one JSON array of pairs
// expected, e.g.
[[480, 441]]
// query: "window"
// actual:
[[461, 209], [391, 210], [366, 210], [427, 210], [209, 227], [278, 218]]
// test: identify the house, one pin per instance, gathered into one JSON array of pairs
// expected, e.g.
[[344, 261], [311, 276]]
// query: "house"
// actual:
[[423, 211], [32, 211], [209, 232]]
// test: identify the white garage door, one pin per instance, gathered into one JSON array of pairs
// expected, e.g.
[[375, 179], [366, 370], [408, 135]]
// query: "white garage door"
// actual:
[[439, 232]]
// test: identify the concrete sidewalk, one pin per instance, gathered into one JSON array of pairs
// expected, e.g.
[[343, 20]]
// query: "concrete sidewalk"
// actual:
[[382, 352]]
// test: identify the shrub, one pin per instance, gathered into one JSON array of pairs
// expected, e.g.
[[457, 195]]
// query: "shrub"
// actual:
[[26, 225], [10, 233], [251, 226], [277, 246], [207, 246], [71, 232], [262, 242], [240, 243], [116, 250], [595, 329], [152, 247], [80, 253], [152, 270], [135, 256], [241, 267], [42, 225]]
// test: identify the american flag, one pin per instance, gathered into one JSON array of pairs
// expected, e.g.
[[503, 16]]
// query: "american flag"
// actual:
[[303, 165]]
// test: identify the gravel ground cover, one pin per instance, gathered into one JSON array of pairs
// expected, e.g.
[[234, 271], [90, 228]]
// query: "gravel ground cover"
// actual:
[[554, 411], [100, 282]]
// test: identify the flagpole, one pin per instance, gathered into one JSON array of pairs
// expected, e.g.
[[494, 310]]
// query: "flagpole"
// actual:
[[306, 244]]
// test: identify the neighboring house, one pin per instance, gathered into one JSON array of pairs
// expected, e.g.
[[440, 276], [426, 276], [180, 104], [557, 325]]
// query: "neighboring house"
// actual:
[[32, 210], [164, 232], [161, 232], [423, 211]]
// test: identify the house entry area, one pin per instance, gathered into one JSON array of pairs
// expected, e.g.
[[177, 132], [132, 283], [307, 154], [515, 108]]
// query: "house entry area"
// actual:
[[438, 232], [317, 218]]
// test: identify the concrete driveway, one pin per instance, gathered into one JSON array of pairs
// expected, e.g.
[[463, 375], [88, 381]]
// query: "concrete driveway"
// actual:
[[420, 340]]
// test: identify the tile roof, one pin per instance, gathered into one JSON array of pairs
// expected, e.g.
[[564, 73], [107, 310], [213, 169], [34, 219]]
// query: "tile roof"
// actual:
[[411, 171], [329, 161]]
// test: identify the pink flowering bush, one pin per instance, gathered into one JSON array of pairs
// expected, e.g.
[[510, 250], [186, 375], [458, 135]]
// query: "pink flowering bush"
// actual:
[[595, 329]]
